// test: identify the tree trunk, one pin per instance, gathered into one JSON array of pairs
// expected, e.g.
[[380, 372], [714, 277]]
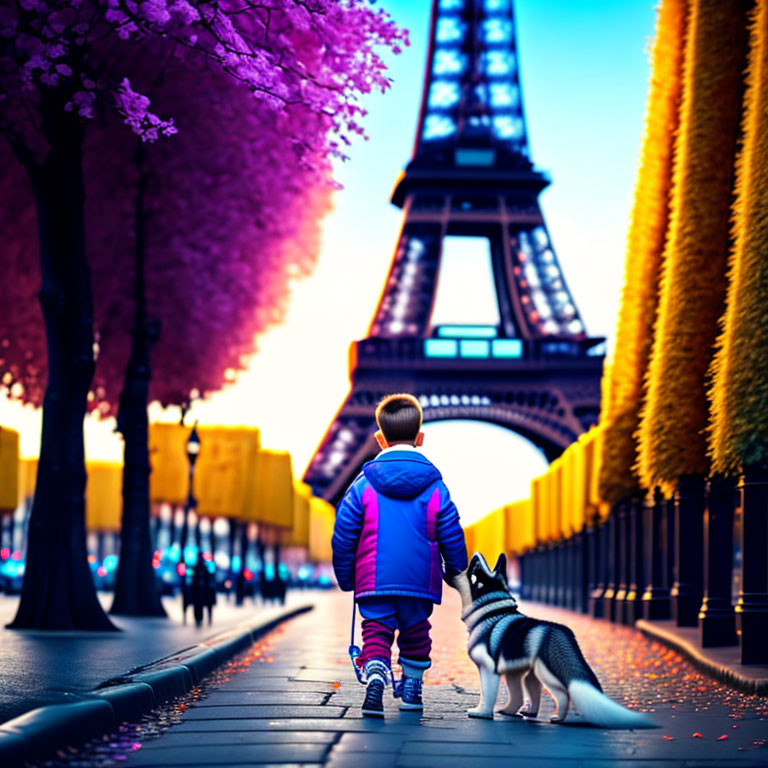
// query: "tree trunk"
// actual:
[[58, 591], [136, 590]]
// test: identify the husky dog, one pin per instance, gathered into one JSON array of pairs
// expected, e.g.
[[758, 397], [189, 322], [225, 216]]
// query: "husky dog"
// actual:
[[529, 652]]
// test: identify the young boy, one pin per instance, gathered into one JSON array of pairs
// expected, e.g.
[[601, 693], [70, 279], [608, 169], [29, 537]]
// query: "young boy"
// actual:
[[397, 535]]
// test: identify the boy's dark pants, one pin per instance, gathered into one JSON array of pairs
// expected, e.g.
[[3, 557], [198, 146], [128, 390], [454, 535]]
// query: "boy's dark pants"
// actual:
[[382, 615]]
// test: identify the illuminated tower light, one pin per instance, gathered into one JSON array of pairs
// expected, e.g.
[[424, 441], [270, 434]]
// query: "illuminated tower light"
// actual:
[[498, 63], [434, 400], [497, 31], [443, 93], [396, 326], [449, 61], [438, 127], [444, 400], [465, 399], [415, 247], [494, 6], [542, 305], [532, 275], [503, 95], [450, 29], [508, 127], [576, 326], [525, 244], [540, 237], [550, 327], [451, 5]]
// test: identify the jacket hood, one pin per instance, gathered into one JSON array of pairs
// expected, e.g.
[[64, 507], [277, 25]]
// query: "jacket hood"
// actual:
[[401, 474]]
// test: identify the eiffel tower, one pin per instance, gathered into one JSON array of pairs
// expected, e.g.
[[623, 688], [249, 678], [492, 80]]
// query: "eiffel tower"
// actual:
[[536, 371]]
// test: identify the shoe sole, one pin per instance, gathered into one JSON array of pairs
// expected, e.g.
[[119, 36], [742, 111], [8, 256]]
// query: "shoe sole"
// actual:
[[372, 713], [411, 707]]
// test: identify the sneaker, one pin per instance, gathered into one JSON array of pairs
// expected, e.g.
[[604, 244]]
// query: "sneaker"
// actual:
[[411, 693], [373, 706]]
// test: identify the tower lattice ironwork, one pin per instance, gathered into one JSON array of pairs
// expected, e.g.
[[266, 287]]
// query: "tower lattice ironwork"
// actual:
[[536, 371]]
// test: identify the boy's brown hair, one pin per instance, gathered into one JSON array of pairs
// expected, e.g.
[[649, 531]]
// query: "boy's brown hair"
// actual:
[[399, 418]]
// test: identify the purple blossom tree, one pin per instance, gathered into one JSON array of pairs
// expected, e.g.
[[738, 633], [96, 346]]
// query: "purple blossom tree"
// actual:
[[64, 67]]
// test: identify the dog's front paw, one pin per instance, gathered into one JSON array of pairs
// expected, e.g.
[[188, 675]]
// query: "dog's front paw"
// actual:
[[482, 713]]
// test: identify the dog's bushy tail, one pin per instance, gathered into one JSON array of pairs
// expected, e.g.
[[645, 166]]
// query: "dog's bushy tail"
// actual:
[[598, 709]]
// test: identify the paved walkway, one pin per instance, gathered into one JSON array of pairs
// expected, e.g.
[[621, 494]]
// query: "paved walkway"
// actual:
[[39, 668], [293, 700]]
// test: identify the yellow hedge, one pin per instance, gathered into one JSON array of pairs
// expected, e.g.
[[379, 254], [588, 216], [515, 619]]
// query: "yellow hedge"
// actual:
[[623, 388], [169, 481], [489, 536], [299, 534], [321, 518], [103, 496], [273, 492], [554, 486], [538, 510], [225, 472], [567, 495], [27, 478], [518, 527], [9, 469], [739, 431], [674, 419], [469, 539]]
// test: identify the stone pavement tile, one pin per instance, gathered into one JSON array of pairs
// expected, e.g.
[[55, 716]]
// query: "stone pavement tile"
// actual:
[[231, 755], [324, 673], [523, 748], [364, 760], [447, 761], [258, 683], [261, 711], [370, 742], [247, 698], [173, 740], [275, 724]]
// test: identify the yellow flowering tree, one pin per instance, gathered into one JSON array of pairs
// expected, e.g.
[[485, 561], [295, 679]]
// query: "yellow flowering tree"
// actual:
[[692, 292], [623, 380], [739, 394]]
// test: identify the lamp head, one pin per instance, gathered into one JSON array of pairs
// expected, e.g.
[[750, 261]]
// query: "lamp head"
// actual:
[[193, 445]]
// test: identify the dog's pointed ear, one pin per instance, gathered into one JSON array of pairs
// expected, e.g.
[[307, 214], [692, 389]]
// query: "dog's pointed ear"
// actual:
[[501, 566], [482, 562]]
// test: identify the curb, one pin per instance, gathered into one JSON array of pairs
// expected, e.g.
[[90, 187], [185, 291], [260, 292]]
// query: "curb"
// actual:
[[699, 659], [39, 733]]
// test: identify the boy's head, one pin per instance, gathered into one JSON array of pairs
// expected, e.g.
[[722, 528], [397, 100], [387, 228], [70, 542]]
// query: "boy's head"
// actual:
[[399, 420]]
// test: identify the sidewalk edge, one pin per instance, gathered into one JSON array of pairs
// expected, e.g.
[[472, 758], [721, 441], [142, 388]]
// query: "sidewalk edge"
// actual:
[[696, 656], [40, 732]]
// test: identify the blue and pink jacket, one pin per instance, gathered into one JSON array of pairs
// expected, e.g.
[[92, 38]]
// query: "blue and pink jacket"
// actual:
[[396, 529]]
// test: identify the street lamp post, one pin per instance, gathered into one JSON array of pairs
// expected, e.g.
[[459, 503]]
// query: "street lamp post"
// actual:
[[193, 450]]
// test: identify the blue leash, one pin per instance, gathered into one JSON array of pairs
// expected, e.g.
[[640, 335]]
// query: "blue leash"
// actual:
[[354, 653]]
